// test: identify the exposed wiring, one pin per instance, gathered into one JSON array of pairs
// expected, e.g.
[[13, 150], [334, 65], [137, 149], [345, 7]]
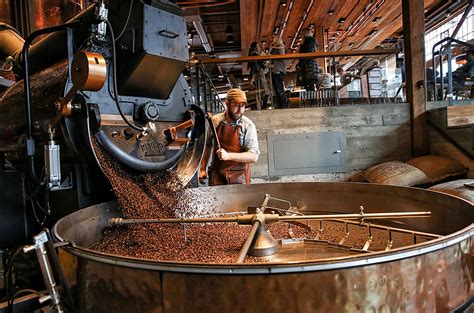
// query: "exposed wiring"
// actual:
[[33, 188], [8, 279], [126, 22], [114, 78], [27, 291]]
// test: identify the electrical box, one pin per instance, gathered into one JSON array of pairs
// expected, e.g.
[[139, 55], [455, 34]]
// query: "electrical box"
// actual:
[[308, 153]]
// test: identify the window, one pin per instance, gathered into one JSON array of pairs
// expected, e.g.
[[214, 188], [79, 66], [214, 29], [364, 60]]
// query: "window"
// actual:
[[466, 32]]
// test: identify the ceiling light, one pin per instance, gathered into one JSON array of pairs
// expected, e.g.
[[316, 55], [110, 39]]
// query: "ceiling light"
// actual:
[[372, 32], [376, 20], [283, 2], [341, 20], [331, 12], [229, 32]]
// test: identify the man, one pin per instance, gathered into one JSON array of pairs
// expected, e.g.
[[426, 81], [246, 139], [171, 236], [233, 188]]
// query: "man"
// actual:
[[346, 77], [238, 141], [308, 70], [278, 71]]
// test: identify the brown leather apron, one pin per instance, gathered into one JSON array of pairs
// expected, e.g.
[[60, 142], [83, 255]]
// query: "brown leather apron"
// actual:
[[229, 172]]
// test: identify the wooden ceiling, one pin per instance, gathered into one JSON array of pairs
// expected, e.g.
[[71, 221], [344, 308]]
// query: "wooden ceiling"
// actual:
[[339, 24]]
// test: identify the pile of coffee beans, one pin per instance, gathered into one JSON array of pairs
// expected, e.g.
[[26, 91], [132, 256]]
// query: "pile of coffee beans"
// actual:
[[161, 195]]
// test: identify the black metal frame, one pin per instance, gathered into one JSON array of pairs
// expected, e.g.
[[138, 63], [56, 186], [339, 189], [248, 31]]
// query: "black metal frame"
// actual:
[[445, 50]]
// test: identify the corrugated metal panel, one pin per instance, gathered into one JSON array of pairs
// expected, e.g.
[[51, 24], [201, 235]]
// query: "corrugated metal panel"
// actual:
[[309, 153]]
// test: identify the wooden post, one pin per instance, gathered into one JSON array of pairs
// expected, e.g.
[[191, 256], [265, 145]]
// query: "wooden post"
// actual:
[[414, 42]]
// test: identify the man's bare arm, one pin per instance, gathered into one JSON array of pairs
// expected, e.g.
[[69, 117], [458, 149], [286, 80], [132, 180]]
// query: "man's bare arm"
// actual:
[[242, 157]]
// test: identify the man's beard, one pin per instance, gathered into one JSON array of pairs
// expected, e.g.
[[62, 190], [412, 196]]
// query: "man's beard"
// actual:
[[234, 116]]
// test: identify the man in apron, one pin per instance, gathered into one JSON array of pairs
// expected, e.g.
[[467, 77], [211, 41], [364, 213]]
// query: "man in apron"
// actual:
[[236, 146]]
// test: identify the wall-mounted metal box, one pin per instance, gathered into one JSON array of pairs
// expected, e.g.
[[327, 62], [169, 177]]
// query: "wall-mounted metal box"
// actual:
[[308, 153]]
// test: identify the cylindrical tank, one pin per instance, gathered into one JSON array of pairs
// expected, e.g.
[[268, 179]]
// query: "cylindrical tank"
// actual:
[[433, 276]]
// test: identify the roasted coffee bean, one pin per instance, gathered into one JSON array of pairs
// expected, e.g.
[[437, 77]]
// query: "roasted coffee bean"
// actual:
[[161, 195]]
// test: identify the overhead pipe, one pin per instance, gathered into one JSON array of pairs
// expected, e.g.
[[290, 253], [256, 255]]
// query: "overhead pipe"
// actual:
[[287, 16], [441, 12], [346, 18], [309, 55], [261, 8], [368, 12], [207, 4], [440, 21], [276, 18], [206, 41], [463, 18], [303, 20]]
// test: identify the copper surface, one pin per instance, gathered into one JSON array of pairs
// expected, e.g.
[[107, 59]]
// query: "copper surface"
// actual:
[[430, 276], [88, 70]]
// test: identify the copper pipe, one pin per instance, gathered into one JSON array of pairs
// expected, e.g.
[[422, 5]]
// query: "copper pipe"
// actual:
[[193, 4], [261, 8], [287, 16], [305, 16], [308, 55], [269, 218], [362, 18]]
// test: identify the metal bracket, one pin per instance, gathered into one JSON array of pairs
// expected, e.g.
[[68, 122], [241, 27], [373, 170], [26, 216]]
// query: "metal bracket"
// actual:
[[39, 246]]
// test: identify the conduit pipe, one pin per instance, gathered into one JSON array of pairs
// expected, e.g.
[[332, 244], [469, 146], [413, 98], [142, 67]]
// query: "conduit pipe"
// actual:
[[368, 12], [303, 20], [287, 17]]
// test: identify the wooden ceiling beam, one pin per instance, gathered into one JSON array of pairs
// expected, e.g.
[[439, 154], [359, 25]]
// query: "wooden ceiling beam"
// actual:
[[248, 23]]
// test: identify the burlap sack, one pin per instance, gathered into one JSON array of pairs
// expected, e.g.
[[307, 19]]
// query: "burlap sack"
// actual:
[[395, 173], [438, 167], [462, 188]]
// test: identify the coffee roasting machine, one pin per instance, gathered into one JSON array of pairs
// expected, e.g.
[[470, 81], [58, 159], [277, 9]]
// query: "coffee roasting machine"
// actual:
[[84, 83], [111, 78]]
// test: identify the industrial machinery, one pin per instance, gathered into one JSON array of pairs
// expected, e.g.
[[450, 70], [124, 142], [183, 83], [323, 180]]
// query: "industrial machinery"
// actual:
[[110, 77], [432, 272]]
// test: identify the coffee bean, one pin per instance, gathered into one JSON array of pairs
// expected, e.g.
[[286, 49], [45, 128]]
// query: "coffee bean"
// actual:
[[162, 195]]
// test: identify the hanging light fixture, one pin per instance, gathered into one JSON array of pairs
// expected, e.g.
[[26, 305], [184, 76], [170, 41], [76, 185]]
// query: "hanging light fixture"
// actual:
[[229, 32]]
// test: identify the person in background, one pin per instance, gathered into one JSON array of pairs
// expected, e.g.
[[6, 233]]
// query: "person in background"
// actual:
[[461, 74], [465, 72], [257, 69], [308, 70], [238, 144], [278, 71], [346, 76], [326, 80]]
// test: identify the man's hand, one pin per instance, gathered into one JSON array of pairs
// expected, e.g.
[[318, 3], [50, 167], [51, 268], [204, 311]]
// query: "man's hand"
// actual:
[[223, 155]]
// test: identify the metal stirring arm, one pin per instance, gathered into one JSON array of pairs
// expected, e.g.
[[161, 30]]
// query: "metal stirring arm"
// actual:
[[259, 242], [247, 219]]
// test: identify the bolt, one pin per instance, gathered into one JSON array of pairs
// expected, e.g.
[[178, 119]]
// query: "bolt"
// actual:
[[115, 133]]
